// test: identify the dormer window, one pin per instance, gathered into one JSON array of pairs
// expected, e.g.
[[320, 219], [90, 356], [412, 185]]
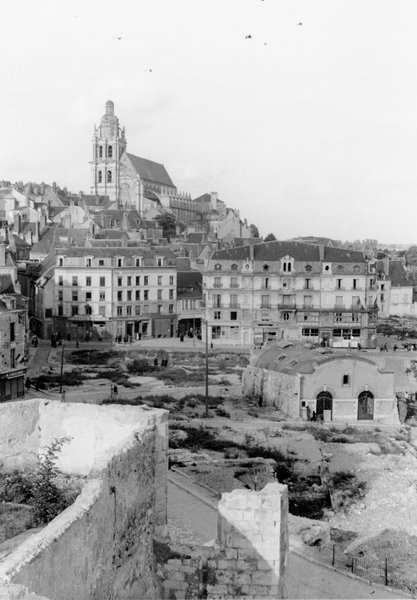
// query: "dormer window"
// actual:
[[60, 261], [234, 267], [160, 261], [308, 268], [340, 268], [120, 262], [88, 262], [266, 267], [356, 268], [138, 262], [217, 267]]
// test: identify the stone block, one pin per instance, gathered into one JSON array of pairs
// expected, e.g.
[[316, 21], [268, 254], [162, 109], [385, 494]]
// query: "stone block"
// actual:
[[264, 578], [242, 578], [217, 589], [224, 577], [227, 564], [258, 590], [231, 553], [264, 565], [172, 584]]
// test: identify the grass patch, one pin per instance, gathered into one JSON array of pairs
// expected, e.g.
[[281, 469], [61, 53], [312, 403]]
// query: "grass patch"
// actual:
[[92, 357], [69, 379]]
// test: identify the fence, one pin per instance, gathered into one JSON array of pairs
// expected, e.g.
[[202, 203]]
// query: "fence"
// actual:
[[372, 568]]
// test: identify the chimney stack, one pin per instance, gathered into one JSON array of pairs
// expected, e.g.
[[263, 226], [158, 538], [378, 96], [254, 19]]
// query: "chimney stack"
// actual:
[[213, 200]]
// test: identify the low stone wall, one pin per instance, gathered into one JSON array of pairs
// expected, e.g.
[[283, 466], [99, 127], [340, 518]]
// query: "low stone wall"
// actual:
[[249, 559], [102, 545]]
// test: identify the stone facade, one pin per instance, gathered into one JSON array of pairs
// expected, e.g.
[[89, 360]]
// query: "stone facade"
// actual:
[[102, 545], [249, 558]]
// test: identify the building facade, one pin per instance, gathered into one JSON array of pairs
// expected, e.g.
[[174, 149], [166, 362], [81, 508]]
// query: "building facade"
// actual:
[[262, 293], [119, 292]]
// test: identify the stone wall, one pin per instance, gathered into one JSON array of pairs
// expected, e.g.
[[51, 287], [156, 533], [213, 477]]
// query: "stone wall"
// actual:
[[249, 558], [272, 388], [102, 545]]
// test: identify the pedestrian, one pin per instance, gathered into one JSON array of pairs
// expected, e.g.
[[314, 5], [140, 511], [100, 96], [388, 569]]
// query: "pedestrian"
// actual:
[[211, 345], [115, 391], [155, 362], [28, 383], [63, 396]]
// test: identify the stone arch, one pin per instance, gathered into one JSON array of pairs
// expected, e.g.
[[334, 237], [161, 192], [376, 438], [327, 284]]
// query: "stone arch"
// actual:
[[366, 406]]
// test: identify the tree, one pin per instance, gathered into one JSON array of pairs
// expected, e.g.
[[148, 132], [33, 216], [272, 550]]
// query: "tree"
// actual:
[[411, 256], [254, 231], [270, 238], [168, 222]]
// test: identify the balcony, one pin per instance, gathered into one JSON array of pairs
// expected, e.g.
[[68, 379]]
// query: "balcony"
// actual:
[[287, 305], [217, 285]]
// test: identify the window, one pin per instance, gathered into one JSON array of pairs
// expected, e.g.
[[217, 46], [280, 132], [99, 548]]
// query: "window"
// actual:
[[88, 309], [102, 310], [171, 309], [137, 280], [128, 310], [217, 300], [355, 317], [119, 311], [75, 296], [88, 281], [339, 301], [101, 262], [355, 283], [338, 317], [234, 267], [266, 302], [171, 280], [137, 310], [60, 280], [339, 284], [138, 262], [74, 280], [159, 279], [120, 262], [171, 294], [382, 286], [310, 332], [266, 268], [218, 267], [308, 300], [266, 283], [100, 177], [285, 316], [129, 295], [159, 294], [102, 296], [74, 310], [102, 281], [234, 282], [146, 280], [12, 358], [60, 310], [129, 281], [215, 332], [217, 282], [146, 294], [345, 379], [307, 284], [233, 315], [233, 300], [110, 151], [356, 301], [60, 296], [308, 268], [159, 309], [160, 262], [287, 267], [60, 262], [100, 151], [88, 296], [137, 295], [109, 176], [120, 296], [88, 262], [119, 281], [12, 332], [217, 315]]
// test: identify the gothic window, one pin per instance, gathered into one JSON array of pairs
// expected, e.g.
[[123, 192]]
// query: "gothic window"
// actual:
[[110, 151], [100, 152], [100, 176], [109, 178]]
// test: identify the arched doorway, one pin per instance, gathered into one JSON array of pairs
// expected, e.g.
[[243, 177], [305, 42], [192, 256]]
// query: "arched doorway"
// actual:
[[365, 406], [324, 401]]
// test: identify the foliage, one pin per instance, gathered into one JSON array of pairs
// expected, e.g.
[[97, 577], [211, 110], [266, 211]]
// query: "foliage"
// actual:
[[91, 357], [168, 222], [270, 238], [69, 378], [15, 487], [411, 256], [254, 231], [48, 499]]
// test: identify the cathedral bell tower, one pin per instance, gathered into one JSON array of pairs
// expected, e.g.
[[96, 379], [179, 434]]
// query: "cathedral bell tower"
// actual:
[[109, 143]]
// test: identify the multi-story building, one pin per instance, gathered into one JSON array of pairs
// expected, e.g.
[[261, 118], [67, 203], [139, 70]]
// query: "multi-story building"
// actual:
[[288, 290], [13, 346], [119, 292]]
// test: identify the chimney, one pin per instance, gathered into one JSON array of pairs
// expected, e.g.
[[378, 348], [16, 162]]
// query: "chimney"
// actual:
[[321, 251], [213, 200], [251, 253], [17, 222], [385, 260]]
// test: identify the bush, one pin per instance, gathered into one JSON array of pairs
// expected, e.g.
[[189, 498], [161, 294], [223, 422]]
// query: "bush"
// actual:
[[91, 357], [139, 366], [16, 487]]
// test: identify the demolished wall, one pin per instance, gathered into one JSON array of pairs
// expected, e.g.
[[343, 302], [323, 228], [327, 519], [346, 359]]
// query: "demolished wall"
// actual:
[[102, 545]]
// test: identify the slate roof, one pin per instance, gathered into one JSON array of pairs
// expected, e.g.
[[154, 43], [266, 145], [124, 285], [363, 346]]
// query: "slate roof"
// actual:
[[291, 359], [196, 238], [150, 170], [274, 251], [6, 284], [397, 274], [19, 243]]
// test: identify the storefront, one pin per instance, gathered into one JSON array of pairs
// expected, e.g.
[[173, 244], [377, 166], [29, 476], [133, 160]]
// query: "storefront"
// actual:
[[12, 385]]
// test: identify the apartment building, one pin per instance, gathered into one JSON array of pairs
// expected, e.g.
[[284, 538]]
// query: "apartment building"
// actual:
[[13, 342], [119, 292], [288, 290]]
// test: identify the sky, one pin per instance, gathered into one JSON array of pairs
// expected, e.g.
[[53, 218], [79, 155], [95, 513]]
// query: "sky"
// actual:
[[302, 114]]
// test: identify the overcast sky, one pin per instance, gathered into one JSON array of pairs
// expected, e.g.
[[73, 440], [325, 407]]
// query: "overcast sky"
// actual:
[[308, 126]]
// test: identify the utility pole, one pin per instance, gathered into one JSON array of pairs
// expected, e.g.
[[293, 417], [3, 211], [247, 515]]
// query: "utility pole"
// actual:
[[62, 367], [207, 413]]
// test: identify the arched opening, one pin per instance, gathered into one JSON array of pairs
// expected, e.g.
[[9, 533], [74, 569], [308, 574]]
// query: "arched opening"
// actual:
[[109, 177], [100, 177], [110, 151], [324, 402], [365, 406]]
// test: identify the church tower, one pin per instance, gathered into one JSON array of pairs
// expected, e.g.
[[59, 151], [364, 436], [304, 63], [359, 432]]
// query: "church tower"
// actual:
[[109, 143]]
